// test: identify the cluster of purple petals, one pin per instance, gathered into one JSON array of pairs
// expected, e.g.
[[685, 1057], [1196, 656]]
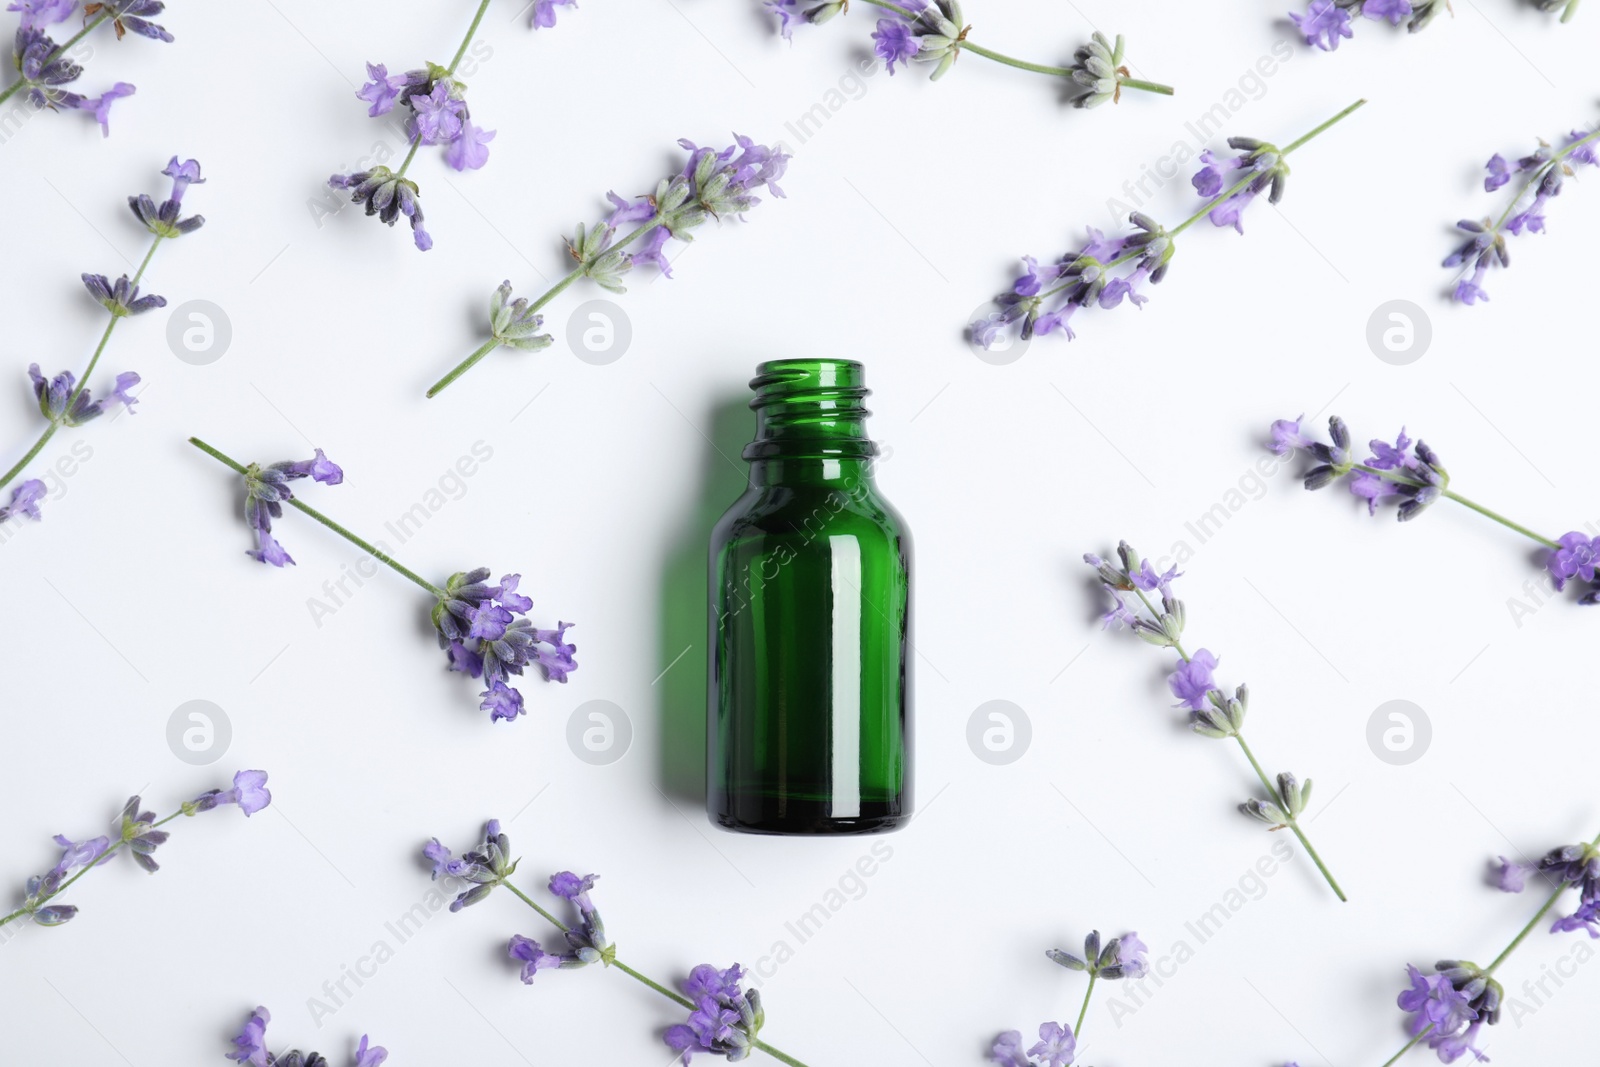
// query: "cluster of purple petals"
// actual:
[[484, 633], [1544, 173], [1445, 1013], [1055, 1048], [586, 943], [725, 1019], [1574, 865], [1415, 478], [484, 866], [714, 183], [1327, 22], [1576, 558], [266, 488], [439, 113], [1258, 168], [895, 39], [544, 12], [1044, 298], [45, 68], [250, 1048], [63, 403]]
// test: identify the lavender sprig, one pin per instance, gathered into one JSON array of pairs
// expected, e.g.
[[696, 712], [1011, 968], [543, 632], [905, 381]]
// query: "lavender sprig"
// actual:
[[482, 628], [712, 185], [917, 31], [250, 1048], [1212, 713], [1327, 22], [1120, 958], [1545, 172], [64, 400], [436, 101], [1450, 1007], [140, 831], [725, 1019], [1044, 298], [43, 66], [1417, 479]]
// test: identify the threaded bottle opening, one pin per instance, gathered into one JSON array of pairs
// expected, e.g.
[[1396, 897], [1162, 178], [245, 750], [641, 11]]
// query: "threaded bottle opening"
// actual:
[[810, 407]]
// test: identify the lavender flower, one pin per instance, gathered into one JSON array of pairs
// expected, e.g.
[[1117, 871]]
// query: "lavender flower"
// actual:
[[43, 66], [249, 791], [1121, 957], [433, 101], [24, 501], [726, 1019], [479, 626], [1450, 1007], [714, 183], [1055, 1048], [65, 400], [138, 830], [586, 944], [920, 31], [164, 221], [265, 491], [484, 634], [1417, 480], [1543, 174], [1212, 713], [1327, 22], [1107, 271], [250, 1048]]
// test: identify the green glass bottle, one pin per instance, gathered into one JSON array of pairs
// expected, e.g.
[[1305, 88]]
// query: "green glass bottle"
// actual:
[[809, 726]]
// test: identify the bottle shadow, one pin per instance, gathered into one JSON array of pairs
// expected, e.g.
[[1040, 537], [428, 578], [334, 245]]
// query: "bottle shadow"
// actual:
[[681, 694]]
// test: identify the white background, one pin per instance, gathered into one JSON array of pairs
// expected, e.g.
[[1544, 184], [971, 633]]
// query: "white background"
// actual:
[[906, 211]]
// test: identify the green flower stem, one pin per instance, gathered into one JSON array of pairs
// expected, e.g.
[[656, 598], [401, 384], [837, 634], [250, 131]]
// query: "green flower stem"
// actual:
[[295, 502], [105, 13], [1077, 1031], [1522, 936], [1402, 479], [550, 294], [1294, 824], [1392, 1060], [416, 143], [83, 382], [472, 32], [1020, 64], [1266, 783], [1227, 194], [98, 860], [677, 998]]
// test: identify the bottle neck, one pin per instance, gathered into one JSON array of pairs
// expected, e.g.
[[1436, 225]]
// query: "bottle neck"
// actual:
[[810, 424]]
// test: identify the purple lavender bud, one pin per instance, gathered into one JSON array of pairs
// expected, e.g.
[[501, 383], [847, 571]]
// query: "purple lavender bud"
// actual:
[[370, 1055], [894, 42], [43, 12], [1396, 11]]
